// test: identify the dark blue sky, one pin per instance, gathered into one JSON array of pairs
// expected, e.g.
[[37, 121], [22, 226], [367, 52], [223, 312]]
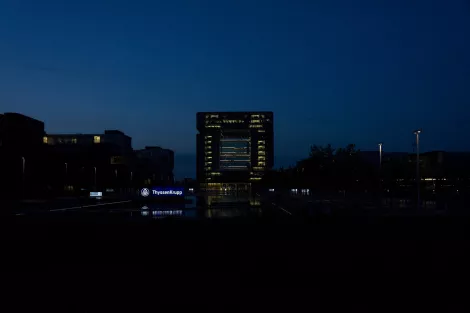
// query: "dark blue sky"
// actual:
[[333, 71]]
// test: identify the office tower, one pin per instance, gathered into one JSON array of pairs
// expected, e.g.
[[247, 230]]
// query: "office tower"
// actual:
[[234, 149]]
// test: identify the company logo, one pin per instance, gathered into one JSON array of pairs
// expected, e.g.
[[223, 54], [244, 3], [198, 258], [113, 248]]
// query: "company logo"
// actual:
[[145, 192], [167, 192], [162, 192]]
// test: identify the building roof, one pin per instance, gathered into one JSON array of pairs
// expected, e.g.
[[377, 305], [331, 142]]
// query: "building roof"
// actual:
[[18, 116]]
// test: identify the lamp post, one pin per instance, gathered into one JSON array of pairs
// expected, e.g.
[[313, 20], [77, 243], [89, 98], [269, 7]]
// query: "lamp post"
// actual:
[[380, 169], [66, 173], [95, 177], [418, 179], [380, 155], [24, 164]]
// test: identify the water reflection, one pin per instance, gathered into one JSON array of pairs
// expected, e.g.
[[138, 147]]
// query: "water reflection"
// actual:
[[232, 204], [211, 205], [232, 212], [168, 211]]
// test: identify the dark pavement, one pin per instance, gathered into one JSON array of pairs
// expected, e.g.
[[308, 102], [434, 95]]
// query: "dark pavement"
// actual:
[[240, 240]]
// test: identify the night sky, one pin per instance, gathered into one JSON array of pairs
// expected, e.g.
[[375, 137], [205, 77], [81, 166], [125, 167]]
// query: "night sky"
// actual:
[[333, 71]]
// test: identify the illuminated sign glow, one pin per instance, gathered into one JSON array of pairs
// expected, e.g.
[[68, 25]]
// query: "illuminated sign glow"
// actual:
[[162, 191]]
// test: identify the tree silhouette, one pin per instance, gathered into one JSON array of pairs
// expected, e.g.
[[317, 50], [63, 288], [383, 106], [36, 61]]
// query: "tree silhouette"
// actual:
[[329, 169]]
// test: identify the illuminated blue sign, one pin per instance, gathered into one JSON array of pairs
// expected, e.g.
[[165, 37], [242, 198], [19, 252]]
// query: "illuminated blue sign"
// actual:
[[162, 192]]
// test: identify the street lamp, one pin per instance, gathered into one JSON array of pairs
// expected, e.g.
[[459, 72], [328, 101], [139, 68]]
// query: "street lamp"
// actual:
[[24, 164], [380, 169], [380, 154], [418, 179], [95, 178]]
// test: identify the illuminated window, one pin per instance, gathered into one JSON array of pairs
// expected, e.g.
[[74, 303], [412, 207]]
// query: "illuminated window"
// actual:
[[74, 140], [261, 131], [96, 139], [261, 153], [208, 152], [208, 163], [261, 142], [215, 174], [207, 137], [255, 116], [256, 126], [208, 157], [255, 178], [255, 121], [44, 139], [261, 163], [261, 158]]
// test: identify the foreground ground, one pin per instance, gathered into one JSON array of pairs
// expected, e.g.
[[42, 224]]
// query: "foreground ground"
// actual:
[[124, 233]]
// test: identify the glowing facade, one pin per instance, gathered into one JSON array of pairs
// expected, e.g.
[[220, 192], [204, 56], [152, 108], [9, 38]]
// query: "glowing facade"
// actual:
[[234, 149]]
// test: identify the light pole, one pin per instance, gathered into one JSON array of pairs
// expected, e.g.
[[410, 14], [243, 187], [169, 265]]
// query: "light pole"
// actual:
[[66, 173], [95, 178], [380, 155], [380, 171], [418, 179], [24, 164]]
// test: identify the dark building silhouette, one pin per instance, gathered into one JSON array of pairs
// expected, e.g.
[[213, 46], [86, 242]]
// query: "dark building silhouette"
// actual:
[[234, 149], [84, 162], [21, 156], [156, 165]]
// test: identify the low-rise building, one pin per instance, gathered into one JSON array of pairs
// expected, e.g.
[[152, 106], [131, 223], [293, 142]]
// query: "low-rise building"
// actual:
[[21, 156], [155, 165]]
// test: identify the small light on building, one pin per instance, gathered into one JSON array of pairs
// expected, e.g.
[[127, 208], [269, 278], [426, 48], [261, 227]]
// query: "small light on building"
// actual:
[[271, 189]]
